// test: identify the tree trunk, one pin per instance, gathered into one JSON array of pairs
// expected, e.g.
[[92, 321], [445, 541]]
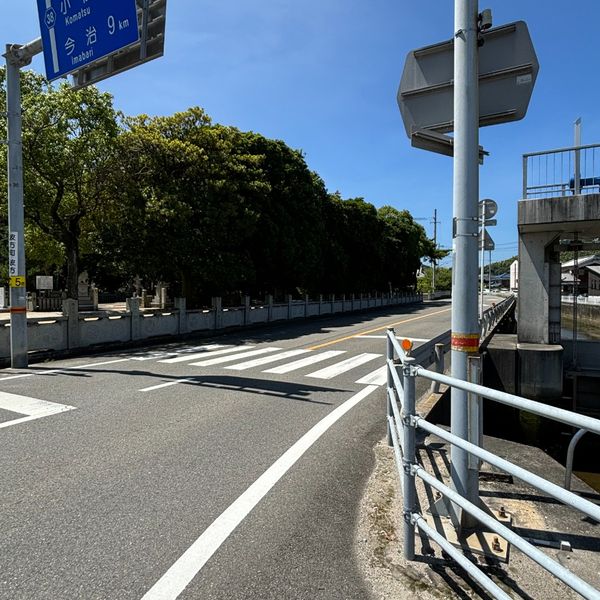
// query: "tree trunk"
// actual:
[[72, 251]]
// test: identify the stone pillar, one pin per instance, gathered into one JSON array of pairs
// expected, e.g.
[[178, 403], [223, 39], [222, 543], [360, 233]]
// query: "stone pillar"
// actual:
[[539, 293], [269, 301], [217, 306], [343, 302], [320, 302], [246, 310], [94, 298], [133, 309], [305, 305], [70, 309], [290, 305], [181, 306]]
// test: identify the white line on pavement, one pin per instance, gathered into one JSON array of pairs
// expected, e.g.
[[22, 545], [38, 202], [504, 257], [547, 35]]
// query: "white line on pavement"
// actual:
[[214, 349], [377, 377], [305, 362], [31, 407], [257, 362], [177, 578], [343, 366], [164, 385], [399, 337], [100, 364], [223, 359]]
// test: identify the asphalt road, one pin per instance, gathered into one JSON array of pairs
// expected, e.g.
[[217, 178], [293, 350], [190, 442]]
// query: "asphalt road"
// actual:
[[215, 469]]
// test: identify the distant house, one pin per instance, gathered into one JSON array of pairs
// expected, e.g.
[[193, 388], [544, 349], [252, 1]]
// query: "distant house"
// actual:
[[583, 279]]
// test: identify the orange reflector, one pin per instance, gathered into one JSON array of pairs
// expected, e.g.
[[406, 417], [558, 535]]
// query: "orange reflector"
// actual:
[[406, 345]]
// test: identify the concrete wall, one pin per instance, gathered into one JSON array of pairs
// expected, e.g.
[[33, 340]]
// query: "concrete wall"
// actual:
[[75, 330]]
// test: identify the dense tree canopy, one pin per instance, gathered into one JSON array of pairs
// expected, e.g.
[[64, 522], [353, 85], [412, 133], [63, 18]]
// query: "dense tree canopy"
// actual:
[[206, 208]]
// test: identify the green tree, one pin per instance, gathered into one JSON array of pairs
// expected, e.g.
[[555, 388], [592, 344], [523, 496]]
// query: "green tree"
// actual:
[[69, 139]]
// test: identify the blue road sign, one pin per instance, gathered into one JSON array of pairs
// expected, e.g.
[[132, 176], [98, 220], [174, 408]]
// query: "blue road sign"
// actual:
[[78, 32]]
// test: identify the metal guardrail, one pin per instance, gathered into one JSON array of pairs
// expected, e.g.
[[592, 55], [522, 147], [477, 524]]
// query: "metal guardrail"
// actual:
[[562, 172], [403, 423]]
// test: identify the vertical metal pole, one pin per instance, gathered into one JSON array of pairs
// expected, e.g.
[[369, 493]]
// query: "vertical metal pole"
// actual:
[[524, 177], [465, 326], [482, 267], [409, 494], [439, 367], [475, 416], [577, 178], [390, 386], [18, 308], [490, 270], [575, 297], [435, 246]]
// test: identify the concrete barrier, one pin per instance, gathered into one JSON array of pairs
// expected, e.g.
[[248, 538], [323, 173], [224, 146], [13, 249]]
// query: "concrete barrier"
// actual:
[[76, 330]]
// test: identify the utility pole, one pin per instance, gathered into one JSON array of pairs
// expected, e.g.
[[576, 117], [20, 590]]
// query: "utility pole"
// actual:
[[465, 326], [482, 242], [16, 58], [434, 262]]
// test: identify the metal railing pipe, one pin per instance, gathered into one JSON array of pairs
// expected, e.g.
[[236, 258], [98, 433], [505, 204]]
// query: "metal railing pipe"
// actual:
[[409, 490], [397, 451], [390, 381], [570, 452], [397, 347], [566, 576], [395, 417], [472, 570], [564, 496], [537, 408], [397, 383]]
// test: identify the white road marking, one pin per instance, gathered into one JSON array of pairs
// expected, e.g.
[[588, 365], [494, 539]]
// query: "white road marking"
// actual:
[[257, 362], [62, 369], [214, 349], [377, 377], [21, 375], [181, 573], [345, 365], [232, 357], [305, 362], [164, 385], [398, 337], [31, 407], [99, 364]]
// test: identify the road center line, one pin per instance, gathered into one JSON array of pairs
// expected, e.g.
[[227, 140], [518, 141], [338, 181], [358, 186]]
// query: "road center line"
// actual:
[[354, 335], [181, 573], [164, 385]]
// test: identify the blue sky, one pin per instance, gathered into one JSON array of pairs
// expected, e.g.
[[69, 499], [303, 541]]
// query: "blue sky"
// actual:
[[322, 75]]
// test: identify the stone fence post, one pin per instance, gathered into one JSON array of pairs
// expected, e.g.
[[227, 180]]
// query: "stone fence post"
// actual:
[[217, 306], [133, 309], [181, 306], [70, 309]]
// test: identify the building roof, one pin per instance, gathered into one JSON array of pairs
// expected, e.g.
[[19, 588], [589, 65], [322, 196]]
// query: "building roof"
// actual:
[[583, 261], [594, 269]]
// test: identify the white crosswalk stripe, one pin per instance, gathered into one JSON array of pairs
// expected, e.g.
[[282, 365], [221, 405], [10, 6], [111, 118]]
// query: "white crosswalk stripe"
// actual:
[[32, 408], [233, 357], [343, 366], [257, 362], [213, 349], [377, 377], [305, 362]]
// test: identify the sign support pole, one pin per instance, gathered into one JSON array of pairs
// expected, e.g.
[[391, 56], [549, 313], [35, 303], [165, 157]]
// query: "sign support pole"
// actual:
[[482, 273], [17, 57], [465, 326]]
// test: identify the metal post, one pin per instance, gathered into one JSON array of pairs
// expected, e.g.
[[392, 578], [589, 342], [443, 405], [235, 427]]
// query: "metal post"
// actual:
[[475, 418], [18, 294], [439, 367], [435, 246], [524, 177], [465, 327], [482, 266], [577, 178], [390, 385], [409, 494], [490, 271]]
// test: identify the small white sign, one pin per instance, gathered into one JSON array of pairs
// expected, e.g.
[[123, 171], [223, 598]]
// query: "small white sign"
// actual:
[[524, 79], [2, 297], [44, 282], [13, 254]]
